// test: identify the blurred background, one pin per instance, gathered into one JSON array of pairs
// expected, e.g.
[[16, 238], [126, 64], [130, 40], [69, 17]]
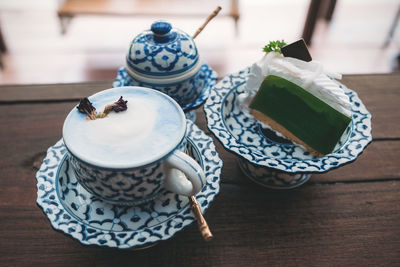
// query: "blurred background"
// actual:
[[90, 42]]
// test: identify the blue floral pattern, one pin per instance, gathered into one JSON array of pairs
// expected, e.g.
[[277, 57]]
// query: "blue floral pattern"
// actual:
[[271, 178], [131, 187], [189, 94], [176, 55], [127, 187], [244, 136], [91, 221]]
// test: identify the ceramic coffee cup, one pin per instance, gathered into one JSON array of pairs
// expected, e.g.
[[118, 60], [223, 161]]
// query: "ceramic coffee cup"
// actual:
[[130, 157]]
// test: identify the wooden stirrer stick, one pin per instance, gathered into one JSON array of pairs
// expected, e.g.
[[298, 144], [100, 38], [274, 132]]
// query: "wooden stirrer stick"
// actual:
[[210, 17], [201, 222]]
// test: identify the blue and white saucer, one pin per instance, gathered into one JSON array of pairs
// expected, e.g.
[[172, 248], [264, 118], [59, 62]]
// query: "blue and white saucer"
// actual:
[[208, 74], [91, 221], [262, 154]]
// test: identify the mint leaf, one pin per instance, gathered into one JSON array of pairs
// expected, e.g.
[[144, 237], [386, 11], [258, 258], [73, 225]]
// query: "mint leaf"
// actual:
[[274, 46]]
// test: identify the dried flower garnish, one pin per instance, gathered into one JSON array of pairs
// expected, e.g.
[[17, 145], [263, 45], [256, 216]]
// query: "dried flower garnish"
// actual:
[[117, 106], [120, 105], [86, 107]]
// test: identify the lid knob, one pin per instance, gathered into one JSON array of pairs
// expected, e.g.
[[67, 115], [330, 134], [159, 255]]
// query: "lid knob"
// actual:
[[161, 31]]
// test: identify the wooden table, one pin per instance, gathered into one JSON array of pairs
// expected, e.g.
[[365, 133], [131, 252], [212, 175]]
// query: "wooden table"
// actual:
[[349, 216]]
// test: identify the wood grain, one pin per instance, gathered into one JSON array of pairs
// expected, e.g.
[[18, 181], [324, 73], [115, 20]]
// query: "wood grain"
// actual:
[[344, 224], [50, 92]]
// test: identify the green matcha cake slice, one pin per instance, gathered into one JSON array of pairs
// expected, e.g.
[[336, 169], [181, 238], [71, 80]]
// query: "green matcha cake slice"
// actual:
[[299, 115]]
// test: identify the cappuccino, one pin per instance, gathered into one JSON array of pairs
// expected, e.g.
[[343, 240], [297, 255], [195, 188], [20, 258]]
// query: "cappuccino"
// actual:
[[148, 130]]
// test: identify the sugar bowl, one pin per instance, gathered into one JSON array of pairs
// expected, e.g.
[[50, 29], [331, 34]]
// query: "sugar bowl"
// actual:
[[167, 59]]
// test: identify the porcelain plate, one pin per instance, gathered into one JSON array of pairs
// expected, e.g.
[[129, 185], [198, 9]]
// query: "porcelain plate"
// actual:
[[245, 137], [76, 213]]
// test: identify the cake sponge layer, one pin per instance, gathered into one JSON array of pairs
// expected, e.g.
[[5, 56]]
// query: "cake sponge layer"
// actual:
[[299, 115]]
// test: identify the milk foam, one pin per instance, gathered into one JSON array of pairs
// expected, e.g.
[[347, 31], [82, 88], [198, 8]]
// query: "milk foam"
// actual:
[[151, 127], [126, 129]]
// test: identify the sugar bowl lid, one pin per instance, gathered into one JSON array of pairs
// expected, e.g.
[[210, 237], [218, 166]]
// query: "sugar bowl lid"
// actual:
[[162, 52]]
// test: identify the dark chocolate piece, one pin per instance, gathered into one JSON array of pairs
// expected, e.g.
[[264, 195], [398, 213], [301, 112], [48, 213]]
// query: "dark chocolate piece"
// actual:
[[297, 50]]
